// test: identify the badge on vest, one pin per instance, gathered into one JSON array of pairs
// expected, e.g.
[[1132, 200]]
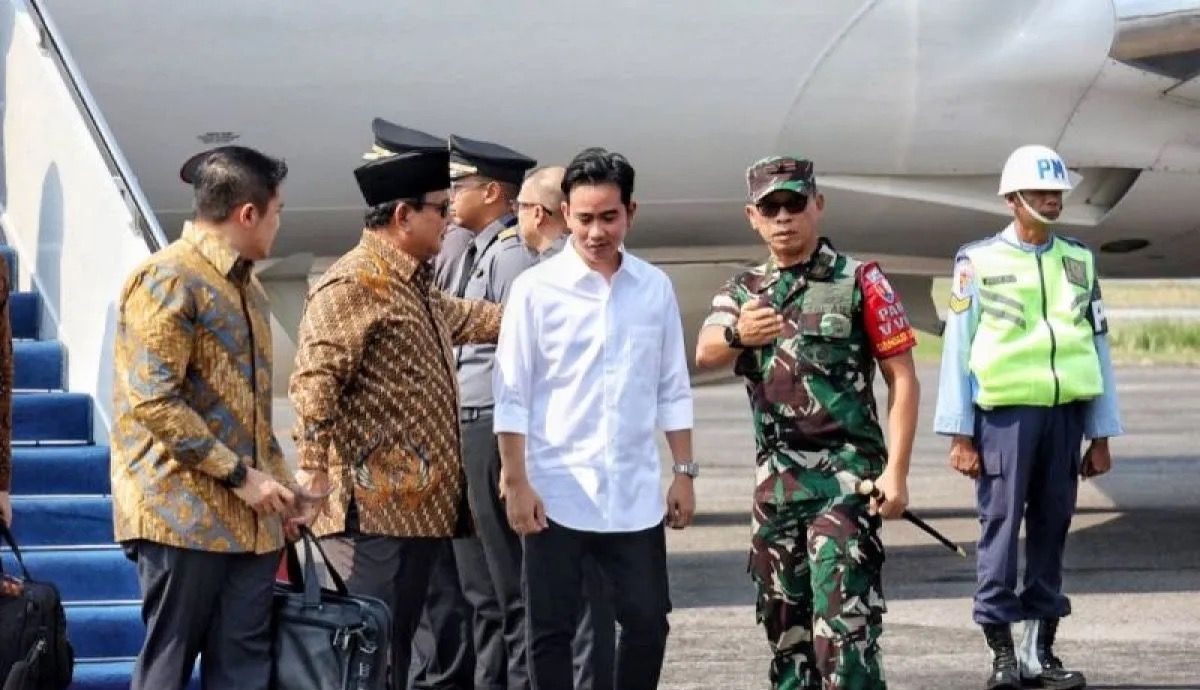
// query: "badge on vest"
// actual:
[[835, 326], [1076, 272]]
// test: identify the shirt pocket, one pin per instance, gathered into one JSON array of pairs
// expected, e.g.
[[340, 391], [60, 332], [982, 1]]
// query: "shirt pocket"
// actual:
[[825, 340], [643, 355]]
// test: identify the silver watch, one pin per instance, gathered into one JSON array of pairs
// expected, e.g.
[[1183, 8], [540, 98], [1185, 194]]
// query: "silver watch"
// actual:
[[691, 468]]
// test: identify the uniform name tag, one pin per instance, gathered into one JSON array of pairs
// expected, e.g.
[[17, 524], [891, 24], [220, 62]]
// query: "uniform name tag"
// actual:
[[999, 280]]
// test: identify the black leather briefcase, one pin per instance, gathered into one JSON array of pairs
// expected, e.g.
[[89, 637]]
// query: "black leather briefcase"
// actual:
[[327, 639]]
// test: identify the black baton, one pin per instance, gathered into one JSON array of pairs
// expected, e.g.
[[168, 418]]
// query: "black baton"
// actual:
[[867, 488]]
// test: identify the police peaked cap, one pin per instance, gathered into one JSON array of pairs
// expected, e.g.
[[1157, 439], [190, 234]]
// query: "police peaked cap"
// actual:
[[473, 157], [404, 164]]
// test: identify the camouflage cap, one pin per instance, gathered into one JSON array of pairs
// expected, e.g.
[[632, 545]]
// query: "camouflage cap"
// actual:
[[780, 173]]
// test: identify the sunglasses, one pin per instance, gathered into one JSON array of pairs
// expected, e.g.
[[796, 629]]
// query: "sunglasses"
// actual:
[[442, 208], [794, 204]]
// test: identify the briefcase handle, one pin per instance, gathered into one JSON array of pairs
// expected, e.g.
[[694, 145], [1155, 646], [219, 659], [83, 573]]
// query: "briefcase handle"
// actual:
[[307, 576], [12, 544]]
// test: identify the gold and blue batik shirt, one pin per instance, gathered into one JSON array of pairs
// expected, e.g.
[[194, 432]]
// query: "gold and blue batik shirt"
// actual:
[[192, 396]]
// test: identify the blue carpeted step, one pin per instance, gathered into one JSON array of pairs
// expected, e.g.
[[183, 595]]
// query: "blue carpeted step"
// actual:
[[60, 470], [62, 520], [38, 365], [65, 417], [110, 629], [83, 574], [10, 259], [112, 674], [24, 314]]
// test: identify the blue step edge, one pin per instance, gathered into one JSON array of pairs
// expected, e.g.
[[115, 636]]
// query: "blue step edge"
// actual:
[[24, 314], [52, 417], [39, 365], [105, 629], [93, 574], [62, 520], [45, 470]]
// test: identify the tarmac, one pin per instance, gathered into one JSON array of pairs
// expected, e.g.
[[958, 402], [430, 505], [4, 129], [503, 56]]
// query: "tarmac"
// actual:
[[1132, 560]]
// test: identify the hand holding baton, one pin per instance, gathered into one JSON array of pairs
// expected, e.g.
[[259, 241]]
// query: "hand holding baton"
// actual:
[[867, 488]]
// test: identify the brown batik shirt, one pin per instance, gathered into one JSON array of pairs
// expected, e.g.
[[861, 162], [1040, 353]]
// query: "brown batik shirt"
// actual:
[[376, 394]]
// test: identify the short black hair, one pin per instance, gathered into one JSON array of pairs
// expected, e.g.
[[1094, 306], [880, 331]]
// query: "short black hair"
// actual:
[[596, 166], [234, 175], [380, 215]]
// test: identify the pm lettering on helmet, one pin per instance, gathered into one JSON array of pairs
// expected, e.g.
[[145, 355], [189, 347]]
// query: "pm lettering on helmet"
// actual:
[[1053, 166]]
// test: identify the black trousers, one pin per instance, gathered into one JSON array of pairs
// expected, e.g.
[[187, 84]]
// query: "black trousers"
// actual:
[[489, 583], [216, 605], [393, 569], [633, 564], [443, 656]]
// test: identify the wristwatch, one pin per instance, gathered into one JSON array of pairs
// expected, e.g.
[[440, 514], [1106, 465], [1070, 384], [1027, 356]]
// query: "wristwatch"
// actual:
[[732, 338], [690, 468], [236, 477]]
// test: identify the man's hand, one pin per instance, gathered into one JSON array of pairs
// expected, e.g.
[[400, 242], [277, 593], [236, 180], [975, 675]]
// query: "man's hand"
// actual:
[[6, 508], [895, 496], [758, 324], [264, 494], [310, 501], [526, 512], [681, 502], [1097, 460], [964, 458]]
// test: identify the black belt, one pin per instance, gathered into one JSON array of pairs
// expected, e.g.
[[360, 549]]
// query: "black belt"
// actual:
[[471, 414]]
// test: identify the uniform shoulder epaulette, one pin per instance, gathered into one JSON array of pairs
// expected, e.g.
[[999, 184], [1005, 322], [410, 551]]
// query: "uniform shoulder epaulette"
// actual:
[[507, 233]]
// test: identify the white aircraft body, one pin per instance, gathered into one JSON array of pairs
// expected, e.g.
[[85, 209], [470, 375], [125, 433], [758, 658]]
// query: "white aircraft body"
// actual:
[[908, 108]]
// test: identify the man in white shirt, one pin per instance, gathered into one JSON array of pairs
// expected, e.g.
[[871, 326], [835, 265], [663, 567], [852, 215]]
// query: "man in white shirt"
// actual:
[[589, 363]]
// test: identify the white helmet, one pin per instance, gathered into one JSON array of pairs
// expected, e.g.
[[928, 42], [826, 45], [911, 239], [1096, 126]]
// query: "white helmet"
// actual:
[[1034, 167]]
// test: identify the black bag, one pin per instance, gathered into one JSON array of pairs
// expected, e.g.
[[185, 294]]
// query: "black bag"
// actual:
[[327, 639], [34, 651]]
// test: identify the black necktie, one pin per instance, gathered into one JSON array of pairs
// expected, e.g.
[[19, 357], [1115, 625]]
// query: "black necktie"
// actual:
[[468, 265]]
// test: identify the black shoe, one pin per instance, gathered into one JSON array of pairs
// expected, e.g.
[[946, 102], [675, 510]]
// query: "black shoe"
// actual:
[[1039, 666], [1006, 674]]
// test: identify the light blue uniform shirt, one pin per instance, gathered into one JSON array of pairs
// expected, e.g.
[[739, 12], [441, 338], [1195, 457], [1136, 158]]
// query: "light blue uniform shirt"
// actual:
[[957, 386]]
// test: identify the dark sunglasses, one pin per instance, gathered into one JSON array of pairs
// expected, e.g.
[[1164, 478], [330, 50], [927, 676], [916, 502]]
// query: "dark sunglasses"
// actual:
[[794, 204], [442, 208]]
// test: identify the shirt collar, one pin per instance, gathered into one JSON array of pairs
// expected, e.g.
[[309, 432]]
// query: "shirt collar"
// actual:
[[217, 251], [557, 245], [819, 266], [488, 234], [577, 269], [401, 262], [1010, 236]]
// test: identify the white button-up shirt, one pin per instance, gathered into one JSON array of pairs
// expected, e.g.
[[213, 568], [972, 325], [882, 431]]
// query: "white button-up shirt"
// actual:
[[587, 370]]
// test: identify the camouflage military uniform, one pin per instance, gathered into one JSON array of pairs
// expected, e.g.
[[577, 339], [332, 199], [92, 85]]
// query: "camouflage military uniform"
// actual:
[[815, 555]]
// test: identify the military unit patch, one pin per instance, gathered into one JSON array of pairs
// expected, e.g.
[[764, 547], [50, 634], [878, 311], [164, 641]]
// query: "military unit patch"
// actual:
[[1076, 272], [959, 304]]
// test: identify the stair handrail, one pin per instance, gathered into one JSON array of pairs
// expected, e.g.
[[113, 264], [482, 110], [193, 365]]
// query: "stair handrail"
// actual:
[[145, 222]]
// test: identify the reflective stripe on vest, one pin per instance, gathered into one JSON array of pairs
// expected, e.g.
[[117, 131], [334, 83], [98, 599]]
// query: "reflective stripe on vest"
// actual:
[[1034, 343]]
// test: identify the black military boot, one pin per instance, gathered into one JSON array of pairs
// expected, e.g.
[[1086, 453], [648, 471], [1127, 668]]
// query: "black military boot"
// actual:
[[1039, 666], [1006, 674]]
